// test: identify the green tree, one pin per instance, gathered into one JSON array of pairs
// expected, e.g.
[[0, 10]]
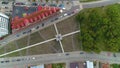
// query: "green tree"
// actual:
[[47, 1], [100, 28], [57, 1]]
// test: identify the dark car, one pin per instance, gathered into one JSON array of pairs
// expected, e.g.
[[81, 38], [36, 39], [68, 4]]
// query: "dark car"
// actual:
[[56, 18], [1, 38], [37, 27], [18, 60], [114, 55], [43, 4], [70, 13], [34, 4], [2, 61], [61, 6], [81, 52], [67, 54], [5, 2], [24, 32], [6, 7], [43, 24], [29, 31], [19, 3], [7, 61], [52, 20], [17, 35], [54, 5]]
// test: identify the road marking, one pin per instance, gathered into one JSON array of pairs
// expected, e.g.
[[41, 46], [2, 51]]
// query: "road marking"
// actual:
[[71, 33], [59, 40], [61, 46], [56, 29]]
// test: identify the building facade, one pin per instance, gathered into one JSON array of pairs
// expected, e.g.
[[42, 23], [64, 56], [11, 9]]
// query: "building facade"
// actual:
[[4, 25]]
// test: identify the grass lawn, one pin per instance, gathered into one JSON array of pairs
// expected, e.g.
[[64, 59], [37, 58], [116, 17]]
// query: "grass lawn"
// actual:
[[2, 50], [59, 65], [76, 42], [22, 42], [8, 47], [45, 48], [68, 25], [48, 33], [115, 66], [71, 43], [13, 54], [35, 38]]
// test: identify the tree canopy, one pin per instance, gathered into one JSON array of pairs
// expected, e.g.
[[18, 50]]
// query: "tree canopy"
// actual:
[[100, 28]]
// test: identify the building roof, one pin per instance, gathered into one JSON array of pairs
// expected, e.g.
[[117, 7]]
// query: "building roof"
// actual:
[[1, 14]]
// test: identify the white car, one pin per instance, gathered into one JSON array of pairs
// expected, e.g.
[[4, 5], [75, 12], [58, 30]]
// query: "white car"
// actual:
[[65, 14]]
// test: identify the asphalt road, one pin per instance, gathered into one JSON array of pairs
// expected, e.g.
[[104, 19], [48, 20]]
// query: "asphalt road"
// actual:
[[99, 3], [22, 62]]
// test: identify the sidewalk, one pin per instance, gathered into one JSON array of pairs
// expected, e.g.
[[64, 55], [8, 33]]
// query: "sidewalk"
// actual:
[[94, 2]]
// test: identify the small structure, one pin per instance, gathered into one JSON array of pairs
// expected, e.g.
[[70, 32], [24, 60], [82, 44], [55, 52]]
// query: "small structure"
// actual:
[[58, 37], [89, 64], [62, 6], [38, 66], [4, 24]]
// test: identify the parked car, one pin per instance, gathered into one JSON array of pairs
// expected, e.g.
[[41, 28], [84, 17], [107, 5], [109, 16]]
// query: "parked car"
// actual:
[[54, 5], [114, 55], [7, 61], [81, 52], [19, 3], [62, 6], [67, 54], [29, 31], [24, 32], [65, 14], [4, 2], [37, 27], [2, 61], [43, 4], [1, 38], [18, 60], [17, 35], [56, 18], [70, 13], [6, 7], [43, 24], [34, 4], [52, 20]]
